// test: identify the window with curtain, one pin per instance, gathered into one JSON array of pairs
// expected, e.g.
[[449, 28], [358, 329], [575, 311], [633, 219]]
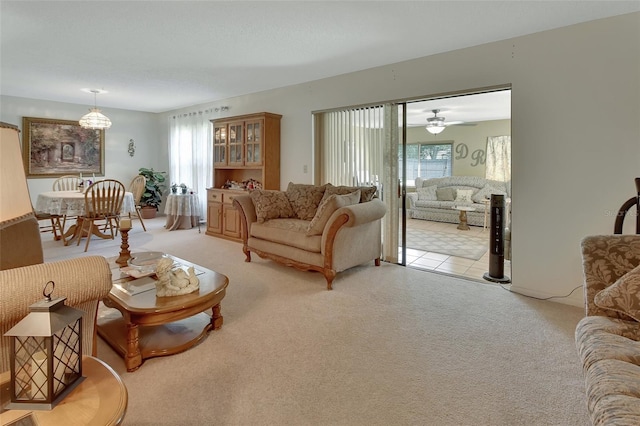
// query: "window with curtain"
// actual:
[[191, 153]]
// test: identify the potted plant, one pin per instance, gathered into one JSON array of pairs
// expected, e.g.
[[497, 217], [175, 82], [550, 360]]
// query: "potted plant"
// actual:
[[183, 186], [174, 188], [152, 195]]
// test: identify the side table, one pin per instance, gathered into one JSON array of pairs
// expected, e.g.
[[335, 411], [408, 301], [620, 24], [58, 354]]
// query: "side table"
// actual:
[[464, 226], [183, 211], [487, 207], [100, 399]]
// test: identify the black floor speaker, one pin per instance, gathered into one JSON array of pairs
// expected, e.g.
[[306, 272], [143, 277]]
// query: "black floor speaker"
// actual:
[[496, 242]]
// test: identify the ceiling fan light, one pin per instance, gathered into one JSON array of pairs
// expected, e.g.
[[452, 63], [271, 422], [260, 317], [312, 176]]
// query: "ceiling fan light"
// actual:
[[435, 125], [95, 120], [434, 129]]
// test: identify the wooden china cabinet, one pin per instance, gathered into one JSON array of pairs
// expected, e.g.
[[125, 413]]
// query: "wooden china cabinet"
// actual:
[[244, 147]]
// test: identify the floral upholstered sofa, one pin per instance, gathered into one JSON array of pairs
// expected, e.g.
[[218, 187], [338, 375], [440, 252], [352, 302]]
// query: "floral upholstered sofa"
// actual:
[[608, 338], [435, 198], [319, 228]]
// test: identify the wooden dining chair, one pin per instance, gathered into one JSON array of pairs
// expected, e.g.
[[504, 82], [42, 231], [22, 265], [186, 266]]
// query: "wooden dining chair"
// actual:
[[137, 187], [102, 202], [66, 183], [53, 224]]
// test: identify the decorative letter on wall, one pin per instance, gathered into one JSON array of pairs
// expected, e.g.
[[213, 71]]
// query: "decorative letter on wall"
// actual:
[[478, 156], [462, 150]]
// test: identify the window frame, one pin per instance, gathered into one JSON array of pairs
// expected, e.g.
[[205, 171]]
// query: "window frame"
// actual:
[[410, 182]]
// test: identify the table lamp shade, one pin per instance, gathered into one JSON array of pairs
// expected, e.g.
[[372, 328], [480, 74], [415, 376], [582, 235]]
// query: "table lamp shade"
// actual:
[[20, 243]]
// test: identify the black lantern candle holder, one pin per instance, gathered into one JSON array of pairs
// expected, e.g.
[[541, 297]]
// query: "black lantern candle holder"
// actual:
[[46, 354]]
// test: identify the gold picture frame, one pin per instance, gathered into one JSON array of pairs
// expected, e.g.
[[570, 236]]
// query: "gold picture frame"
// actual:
[[53, 148]]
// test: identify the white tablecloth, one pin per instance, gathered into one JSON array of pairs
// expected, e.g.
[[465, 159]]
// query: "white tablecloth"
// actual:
[[71, 203], [182, 210]]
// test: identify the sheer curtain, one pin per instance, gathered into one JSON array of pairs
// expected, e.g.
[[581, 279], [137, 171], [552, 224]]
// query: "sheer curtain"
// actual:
[[498, 164], [191, 153]]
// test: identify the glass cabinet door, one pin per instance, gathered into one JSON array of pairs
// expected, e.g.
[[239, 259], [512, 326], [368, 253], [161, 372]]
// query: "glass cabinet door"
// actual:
[[236, 144], [220, 145], [254, 142]]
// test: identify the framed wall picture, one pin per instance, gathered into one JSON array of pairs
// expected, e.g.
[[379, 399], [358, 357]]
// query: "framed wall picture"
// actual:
[[53, 148]]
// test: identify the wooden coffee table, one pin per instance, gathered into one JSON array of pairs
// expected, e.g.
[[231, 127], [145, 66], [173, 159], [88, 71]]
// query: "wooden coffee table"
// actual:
[[143, 326]]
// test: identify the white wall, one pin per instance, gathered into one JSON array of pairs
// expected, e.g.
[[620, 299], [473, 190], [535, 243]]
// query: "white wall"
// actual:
[[142, 127], [575, 131]]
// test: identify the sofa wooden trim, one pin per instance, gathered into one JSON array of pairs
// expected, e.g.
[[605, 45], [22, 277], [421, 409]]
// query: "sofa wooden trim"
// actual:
[[350, 216]]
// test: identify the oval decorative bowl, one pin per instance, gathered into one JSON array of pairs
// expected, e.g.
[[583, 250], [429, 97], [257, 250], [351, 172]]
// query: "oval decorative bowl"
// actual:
[[145, 262]]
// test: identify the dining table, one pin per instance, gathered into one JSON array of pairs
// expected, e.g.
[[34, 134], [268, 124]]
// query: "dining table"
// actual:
[[71, 203]]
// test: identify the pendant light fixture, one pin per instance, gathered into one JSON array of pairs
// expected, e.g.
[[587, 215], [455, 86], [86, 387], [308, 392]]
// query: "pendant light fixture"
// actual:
[[435, 124], [95, 119]]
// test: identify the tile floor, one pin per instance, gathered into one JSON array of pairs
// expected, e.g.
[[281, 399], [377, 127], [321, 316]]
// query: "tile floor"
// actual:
[[451, 265]]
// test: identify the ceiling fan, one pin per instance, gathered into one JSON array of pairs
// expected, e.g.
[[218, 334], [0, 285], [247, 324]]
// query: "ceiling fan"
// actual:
[[437, 124]]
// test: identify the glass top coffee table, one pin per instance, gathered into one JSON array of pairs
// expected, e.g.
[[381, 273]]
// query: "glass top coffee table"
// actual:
[[138, 325]]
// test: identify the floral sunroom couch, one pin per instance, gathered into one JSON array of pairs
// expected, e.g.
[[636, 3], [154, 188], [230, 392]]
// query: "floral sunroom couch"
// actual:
[[435, 198], [608, 338], [323, 228]]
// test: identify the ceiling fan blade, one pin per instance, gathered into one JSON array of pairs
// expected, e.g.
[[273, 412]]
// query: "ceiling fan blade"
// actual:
[[460, 123]]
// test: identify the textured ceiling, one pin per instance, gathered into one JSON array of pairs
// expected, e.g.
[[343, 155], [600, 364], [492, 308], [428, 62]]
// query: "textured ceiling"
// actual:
[[161, 55]]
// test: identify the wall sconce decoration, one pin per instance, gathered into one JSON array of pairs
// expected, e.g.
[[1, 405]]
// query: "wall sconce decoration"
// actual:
[[46, 354], [132, 148]]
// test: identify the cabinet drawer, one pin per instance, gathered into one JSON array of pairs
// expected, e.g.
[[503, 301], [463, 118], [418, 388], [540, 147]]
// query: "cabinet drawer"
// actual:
[[215, 196], [228, 197]]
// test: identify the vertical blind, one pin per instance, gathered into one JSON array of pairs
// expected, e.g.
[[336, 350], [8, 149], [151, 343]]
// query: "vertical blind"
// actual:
[[351, 152]]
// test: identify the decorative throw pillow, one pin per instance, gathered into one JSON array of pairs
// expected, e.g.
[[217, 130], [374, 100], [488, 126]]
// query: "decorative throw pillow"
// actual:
[[446, 194], [271, 204], [427, 194], [327, 207], [485, 192], [622, 296], [304, 199], [366, 192], [464, 196]]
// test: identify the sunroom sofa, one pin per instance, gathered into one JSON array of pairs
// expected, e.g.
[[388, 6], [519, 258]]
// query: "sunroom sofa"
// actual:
[[435, 198], [317, 228], [608, 338]]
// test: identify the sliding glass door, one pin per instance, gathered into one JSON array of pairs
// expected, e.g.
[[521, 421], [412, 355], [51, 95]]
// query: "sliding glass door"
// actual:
[[359, 146]]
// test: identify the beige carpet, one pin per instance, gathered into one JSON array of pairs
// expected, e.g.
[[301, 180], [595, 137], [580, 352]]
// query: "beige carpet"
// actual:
[[388, 346]]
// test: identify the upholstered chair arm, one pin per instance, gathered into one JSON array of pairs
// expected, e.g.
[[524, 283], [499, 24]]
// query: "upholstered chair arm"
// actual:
[[83, 281], [244, 205], [353, 235], [358, 214], [412, 197], [605, 258]]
